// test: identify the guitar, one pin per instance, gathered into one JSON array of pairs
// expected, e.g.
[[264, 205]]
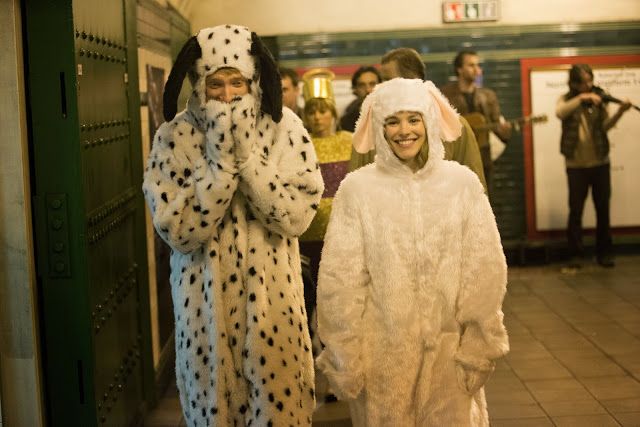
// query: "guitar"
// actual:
[[483, 130]]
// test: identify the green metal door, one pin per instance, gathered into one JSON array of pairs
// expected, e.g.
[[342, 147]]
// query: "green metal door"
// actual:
[[81, 68]]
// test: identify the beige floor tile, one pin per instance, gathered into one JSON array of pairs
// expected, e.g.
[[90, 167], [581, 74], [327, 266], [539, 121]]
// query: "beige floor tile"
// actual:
[[505, 379], [539, 369], [619, 345], [622, 405], [529, 349], [567, 341], [594, 367], [512, 397], [608, 388], [631, 326], [621, 310], [568, 356], [573, 407], [602, 420], [522, 422], [537, 317], [335, 423], [529, 305], [552, 328], [522, 340], [511, 411], [557, 390], [630, 362], [594, 330], [515, 327], [588, 316], [631, 419], [501, 366]]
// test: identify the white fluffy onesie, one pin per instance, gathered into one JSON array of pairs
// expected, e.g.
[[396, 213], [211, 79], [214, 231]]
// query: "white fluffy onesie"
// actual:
[[412, 279], [231, 186]]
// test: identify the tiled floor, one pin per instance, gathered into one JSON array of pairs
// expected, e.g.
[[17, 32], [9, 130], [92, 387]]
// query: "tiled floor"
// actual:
[[575, 352]]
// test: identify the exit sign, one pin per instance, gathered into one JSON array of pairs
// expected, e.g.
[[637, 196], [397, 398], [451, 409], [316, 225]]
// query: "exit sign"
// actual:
[[470, 11]]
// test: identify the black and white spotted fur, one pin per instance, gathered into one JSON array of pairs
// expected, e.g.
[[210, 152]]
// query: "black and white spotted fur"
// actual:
[[230, 190]]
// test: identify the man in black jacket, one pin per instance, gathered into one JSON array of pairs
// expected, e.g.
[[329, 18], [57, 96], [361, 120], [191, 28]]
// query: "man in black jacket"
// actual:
[[363, 81]]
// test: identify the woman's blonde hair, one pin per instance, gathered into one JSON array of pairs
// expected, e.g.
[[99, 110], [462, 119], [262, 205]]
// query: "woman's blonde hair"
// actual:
[[423, 155]]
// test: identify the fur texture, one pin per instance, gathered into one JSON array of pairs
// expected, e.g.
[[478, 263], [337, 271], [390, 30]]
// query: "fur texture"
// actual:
[[225, 46], [230, 190], [411, 285]]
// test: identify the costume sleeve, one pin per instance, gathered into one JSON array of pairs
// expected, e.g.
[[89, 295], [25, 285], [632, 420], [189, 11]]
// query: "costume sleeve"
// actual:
[[282, 182], [187, 190], [484, 280], [342, 291], [465, 151]]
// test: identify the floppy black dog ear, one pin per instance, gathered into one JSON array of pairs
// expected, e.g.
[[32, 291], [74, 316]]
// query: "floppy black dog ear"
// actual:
[[270, 81], [190, 52]]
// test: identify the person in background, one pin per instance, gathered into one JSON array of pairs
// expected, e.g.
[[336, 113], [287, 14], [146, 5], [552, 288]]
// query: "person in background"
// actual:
[[413, 275], [333, 149], [585, 146], [231, 182], [405, 62], [402, 62], [362, 83], [467, 97], [290, 90]]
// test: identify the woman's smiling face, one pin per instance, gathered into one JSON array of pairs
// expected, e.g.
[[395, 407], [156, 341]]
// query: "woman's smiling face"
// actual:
[[405, 133]]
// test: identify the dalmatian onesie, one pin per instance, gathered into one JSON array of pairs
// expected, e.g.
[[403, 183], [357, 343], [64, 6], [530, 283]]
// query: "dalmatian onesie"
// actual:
[[231, 186]]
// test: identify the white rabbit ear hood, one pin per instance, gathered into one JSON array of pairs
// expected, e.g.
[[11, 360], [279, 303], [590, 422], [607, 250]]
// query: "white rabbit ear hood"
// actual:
[[440, 118]]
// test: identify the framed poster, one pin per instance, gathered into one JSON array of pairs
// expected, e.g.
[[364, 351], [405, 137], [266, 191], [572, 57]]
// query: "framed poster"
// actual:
[[544, 80]]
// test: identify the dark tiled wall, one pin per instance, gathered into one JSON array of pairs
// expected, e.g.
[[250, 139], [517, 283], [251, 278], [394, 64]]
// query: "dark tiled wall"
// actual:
[[487, 38], [501, 48]]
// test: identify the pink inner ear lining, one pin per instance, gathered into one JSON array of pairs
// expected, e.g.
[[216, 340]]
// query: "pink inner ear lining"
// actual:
[[362, 138], [450, 126]]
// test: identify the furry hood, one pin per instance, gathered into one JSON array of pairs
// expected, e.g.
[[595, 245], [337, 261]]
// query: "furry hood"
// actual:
[[440, 118], [225, 46]]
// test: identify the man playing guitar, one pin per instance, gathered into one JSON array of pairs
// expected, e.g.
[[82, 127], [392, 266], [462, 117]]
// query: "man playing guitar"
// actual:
[[469, 98]]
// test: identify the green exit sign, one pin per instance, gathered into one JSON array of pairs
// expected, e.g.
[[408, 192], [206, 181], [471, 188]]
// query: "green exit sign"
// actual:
[[470, 11]]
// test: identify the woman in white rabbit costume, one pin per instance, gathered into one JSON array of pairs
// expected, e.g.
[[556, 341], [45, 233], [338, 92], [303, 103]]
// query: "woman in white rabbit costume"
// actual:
[[413, 274], [232, 181]]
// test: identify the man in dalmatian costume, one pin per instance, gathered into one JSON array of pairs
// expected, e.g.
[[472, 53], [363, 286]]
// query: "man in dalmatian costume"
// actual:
[[232, 182]]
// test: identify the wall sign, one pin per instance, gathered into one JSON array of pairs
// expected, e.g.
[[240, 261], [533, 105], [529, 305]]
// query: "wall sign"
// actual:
[[470, 11]]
